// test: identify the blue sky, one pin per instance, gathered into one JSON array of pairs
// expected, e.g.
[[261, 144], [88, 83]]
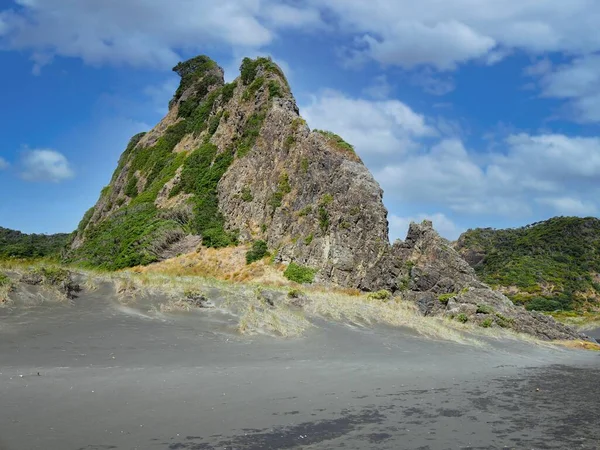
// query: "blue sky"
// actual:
[[470, 113]]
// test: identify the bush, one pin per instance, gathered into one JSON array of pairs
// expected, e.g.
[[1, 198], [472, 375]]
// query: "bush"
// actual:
[[445, 297], [247, 195], [131, 189], [258, 251], [380, 295], [485, 309], [299, 274], [4, 280], [462, 318], [487, 323]]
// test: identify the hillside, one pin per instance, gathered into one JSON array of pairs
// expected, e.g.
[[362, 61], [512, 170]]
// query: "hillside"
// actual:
[[14, 244], [233, 164], [550, 265]]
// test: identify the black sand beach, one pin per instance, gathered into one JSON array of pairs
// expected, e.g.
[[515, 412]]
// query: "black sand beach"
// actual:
[[96, 375]]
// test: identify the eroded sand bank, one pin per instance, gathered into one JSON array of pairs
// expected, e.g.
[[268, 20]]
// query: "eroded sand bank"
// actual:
[[126, 377]]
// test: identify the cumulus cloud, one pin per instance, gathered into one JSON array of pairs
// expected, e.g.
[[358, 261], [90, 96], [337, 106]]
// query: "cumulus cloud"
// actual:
[[3, 163], [45, 165], [376, 127], [442, 224], [135, 32], [394, 32], [577, 82]]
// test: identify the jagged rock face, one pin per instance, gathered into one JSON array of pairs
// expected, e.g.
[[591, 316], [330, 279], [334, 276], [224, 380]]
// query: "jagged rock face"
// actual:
[[434, 275], [236, 163]]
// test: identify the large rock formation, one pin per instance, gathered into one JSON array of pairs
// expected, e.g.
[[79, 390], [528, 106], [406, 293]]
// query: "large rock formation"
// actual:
[[432, 273], [236, 163]]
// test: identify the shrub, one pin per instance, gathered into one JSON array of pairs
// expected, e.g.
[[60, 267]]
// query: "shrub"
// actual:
[[336, 141], [250, 134], [4, 280], [444, 298], [131, 189], [258, 251], [462, 318], [380, 295], [247, 195], [275, 89], [504, 322], [323, 219], [305, 211], [299, 274], [487, 323], [304, 165], [308, 239], [485, 309], [289, 141]]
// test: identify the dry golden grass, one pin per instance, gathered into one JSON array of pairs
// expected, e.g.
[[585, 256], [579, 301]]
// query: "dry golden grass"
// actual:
[[579, 345]]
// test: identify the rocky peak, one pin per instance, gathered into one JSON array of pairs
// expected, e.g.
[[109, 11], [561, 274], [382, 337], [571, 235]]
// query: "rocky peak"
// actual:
[[233, 163]]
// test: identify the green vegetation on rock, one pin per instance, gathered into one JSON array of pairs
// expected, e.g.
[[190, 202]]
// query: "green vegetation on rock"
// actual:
[[336, 141], [258, 251], [555, 264], [299, 274]]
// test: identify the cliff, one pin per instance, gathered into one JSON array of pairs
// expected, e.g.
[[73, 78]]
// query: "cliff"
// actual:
[[235, 163]]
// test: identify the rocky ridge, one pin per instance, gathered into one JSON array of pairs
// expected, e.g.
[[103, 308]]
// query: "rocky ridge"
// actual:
[[234, 163]]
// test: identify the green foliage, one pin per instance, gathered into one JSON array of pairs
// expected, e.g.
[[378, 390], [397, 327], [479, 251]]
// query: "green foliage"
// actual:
[[228, 91], [336, 141], [126, 154], [561, 252], [444, 298], [276, 200], [258, 251], [323, 219], [308, 239], [345, 225], [504, 322], [263, 228], [289, 141], [485, 309], [462, 318], [190, 71], [380, 295], [4, 280], [85, 220], [487, 323], [284, 183], [299, 274], [14, 244], [250, 92], [304, 165], [305, 211], [131, 189], [275, 89], [247, 195], [200, 175], [249, 69], [213, 124], [327, 199], [124, 239], [295, 293], [250, 134]]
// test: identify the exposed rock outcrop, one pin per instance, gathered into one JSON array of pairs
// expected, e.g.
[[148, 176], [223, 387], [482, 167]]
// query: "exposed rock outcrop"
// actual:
[[434, 275], [235, 163]]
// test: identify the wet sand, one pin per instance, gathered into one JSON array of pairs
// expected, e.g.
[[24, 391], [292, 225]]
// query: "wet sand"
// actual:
[[124, 378]]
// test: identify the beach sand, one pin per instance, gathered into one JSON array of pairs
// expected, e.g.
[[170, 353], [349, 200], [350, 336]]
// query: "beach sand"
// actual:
[[95, 374]]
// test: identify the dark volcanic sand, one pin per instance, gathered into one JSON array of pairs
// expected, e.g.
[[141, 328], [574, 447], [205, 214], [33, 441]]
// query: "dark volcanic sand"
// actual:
[[127, 379]]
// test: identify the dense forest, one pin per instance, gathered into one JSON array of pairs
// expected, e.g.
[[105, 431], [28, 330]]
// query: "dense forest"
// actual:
[[549, 265], [14, 244]]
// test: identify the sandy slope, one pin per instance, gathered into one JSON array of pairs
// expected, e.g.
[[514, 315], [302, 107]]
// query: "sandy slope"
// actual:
[[112, 377]]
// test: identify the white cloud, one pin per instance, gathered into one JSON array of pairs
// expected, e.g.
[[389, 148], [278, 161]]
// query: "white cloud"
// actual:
[[577, 82], [442, 224], [3, 163], [45, 165], [135, 32], [373, 127], [444, 34], [431, 83], [393, 32]]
